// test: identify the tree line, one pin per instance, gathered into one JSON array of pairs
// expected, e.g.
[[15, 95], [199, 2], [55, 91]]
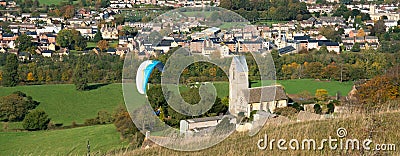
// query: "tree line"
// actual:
[[343, 67], [270, 10], [90, 68]]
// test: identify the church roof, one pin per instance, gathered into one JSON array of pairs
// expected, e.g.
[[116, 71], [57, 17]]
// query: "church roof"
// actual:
[[268, 94]]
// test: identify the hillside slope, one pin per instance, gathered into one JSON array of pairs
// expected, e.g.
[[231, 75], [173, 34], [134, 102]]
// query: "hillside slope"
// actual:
[[382, 127]]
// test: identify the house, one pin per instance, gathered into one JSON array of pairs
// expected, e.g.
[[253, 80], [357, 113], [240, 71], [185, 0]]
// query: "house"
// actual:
[[32, 34], [331, 46], [111, 51], [9, 37], [109, 33], [165, 45], [244, 99], [63, 51], [13, 51], [251, 46], [47, 53], [223, 50], [51, 38], [287, 50], [121, 51], [52, 47], [196, 45], [23, 56], [3, 50]]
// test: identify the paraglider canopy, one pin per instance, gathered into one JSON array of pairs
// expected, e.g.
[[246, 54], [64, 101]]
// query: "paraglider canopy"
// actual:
[[144, 72]]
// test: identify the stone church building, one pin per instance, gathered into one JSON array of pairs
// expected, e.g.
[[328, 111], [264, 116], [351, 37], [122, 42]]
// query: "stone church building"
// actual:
[[245, 99], [241, 98]]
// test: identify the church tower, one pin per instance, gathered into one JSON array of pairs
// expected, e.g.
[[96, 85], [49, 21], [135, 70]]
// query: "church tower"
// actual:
[[238, 82]]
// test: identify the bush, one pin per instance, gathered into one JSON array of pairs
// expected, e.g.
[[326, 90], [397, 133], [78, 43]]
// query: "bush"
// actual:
[[125, 126], [36, 120], [104, 117], [317, 109], [14, 107], [331, 108], [89, 122]]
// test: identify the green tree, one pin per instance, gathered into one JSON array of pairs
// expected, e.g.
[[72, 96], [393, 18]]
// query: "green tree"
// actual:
[[379, 28], [36, 120], [24, 42], [15, 106], [12, 108], [342, 11], [64, 38], [356, 47], [227, 4], [80, 75], [80, 42], [331, 108], [10, 73], [71, 39], [317, 109], [97, 37]]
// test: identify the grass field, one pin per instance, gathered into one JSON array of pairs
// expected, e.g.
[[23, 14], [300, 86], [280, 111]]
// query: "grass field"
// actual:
[[293, 86], [64, 104], [229, 25], [269, 22], [91, 45], [113, 44], [48, 2], [299, 85], [102, 138], [10, 126], [205, 14]]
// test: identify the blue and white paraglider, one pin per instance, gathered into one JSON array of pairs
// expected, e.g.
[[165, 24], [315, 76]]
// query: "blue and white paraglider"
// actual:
[[144, 72]]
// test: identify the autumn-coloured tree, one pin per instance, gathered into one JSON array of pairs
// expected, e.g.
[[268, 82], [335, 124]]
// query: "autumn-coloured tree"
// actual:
[[213, 72], [321, 94], [55, 12], [30, 77], [375, 93], [102, 44], [313, 69], [361, 33], [126, 127], [291, 70], [331, 71], [68, 11]]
